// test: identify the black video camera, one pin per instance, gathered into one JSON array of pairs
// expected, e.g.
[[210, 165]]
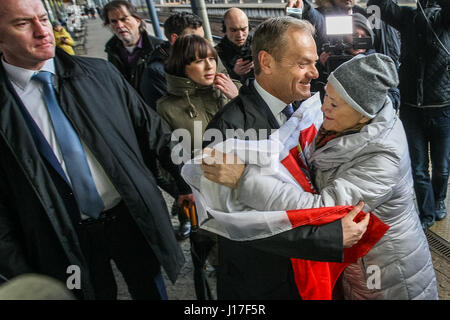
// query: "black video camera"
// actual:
[[337, 28]]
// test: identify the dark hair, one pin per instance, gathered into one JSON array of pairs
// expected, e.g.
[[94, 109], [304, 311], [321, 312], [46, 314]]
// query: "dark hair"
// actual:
[[177, 22], [186, 49], [117, 4]]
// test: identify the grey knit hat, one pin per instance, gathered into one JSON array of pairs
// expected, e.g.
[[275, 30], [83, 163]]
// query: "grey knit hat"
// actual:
[[360, 21], [363, 82]]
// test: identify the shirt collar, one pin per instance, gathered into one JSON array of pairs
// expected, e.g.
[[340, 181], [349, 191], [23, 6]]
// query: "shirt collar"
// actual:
[[21, 77], [140, 42], [131, 49], [275, 104]]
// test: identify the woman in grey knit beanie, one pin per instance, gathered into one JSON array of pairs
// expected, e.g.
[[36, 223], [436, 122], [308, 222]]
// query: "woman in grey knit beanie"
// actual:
[[359, 153]]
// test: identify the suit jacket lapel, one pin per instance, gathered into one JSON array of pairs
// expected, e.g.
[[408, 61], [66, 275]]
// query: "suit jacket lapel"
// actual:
[[264, 108], [40, 142]]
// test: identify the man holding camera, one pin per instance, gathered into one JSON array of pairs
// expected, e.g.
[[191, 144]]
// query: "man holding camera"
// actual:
[[386, 39], [234, 49], [336, 53]]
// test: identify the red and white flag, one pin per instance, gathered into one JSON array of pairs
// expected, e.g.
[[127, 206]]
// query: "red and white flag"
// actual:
[[284, 155]]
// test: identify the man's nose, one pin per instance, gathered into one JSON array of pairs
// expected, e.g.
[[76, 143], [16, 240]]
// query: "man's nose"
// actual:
[[119, 24], [313, 73], [40, 29]]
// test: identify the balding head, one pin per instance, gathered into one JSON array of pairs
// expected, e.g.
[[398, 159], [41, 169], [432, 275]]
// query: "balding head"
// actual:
[[236, 26]]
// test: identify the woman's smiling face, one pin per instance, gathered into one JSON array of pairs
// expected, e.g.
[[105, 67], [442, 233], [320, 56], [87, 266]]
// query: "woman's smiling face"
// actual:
[[338, 114]]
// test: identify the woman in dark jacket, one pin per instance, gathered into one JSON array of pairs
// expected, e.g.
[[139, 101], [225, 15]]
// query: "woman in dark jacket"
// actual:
[[195, 92]]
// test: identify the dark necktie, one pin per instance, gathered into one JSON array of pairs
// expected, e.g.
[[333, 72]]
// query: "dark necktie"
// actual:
[[288, 111], [83, 185]]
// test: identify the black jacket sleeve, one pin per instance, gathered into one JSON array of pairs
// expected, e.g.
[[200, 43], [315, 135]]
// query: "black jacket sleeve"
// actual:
[[391, 13], [12, 256], [318, 243], [153, 134], [318, 21], [153, 84]]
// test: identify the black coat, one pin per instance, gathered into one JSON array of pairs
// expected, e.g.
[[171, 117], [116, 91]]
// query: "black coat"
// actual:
[[153, 81], [134, 72], [36, 232], [425, 63], [261, 269], [229, 53]]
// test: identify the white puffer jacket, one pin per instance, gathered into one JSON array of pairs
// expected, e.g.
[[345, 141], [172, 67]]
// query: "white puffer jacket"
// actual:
[[372, 165]]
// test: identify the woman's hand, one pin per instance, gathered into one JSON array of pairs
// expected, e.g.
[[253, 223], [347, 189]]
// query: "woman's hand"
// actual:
[[224, 83], [353, 231]]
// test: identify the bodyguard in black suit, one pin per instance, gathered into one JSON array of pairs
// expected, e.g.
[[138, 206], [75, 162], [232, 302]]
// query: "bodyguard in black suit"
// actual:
[[50, 223]]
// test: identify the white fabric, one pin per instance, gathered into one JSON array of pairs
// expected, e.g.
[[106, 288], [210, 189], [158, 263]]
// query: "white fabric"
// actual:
[[218, 208]]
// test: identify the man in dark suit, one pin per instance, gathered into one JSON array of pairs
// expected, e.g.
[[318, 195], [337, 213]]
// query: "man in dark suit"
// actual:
[[75, 187], [284, 54]]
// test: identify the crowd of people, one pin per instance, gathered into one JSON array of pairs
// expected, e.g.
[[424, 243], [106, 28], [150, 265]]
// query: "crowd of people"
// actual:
[[87, 144]]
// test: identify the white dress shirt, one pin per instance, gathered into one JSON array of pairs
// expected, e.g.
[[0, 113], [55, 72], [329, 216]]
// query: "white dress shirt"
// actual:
[[275, 104], [31, 94]]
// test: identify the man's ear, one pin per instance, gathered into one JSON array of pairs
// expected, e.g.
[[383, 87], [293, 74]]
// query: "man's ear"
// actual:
[[265, 61], [173, 38]]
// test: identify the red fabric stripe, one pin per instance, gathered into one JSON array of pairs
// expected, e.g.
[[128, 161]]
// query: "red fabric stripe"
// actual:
[[316, 280], [307, 135], [291, 163]]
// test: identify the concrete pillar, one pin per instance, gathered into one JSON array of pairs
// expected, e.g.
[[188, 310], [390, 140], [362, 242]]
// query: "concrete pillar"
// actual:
[[200, 7]]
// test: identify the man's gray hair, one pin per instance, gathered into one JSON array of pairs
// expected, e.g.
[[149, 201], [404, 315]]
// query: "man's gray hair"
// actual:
[[270, 36]]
